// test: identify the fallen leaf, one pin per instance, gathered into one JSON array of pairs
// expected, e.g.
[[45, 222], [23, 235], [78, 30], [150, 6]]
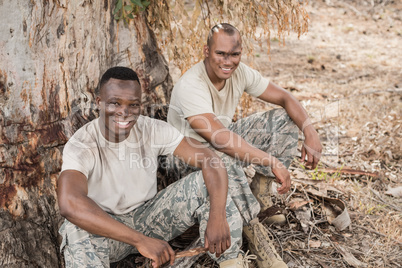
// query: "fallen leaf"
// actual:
[[304, 216], [342, 219], [299, 174], [395, 192], [314, 243], [330, 213], [298, 204], [350, 258]]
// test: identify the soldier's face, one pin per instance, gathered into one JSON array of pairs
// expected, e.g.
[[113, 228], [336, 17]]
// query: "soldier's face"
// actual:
[[119, 104], [223, 55]]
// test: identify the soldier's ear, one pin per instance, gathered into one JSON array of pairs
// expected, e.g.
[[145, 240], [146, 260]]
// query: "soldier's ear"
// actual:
[[206, 51], [97, 101]]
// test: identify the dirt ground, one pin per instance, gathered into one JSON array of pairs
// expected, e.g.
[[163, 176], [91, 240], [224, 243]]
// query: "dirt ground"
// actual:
[[347, 72]]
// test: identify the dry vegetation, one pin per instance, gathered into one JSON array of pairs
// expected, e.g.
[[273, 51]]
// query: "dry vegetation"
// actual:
[[182, 26], [347, 72]]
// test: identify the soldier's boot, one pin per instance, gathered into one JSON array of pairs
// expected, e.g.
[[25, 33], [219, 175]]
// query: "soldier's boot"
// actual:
[[261, 245], [261, 187], [240, 262]]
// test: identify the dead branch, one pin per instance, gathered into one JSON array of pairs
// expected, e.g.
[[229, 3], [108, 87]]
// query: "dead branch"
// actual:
[[191, 252], [349, 171]]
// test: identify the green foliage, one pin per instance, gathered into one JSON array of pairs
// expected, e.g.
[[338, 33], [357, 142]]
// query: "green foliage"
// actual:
[[318, 174], [127, 10]]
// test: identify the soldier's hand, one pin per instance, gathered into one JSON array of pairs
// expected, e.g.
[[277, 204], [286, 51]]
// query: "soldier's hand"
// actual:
[[282, 177], [158, 251], [311, 148], [217, 234]]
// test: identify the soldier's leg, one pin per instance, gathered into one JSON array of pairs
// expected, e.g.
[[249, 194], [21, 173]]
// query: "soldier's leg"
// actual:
[[260, 243], [83, 249], [275, 133], [169, 214], [186, 202]]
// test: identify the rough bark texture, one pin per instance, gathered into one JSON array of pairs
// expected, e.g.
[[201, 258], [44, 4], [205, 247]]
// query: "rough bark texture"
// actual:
[[52, 54]]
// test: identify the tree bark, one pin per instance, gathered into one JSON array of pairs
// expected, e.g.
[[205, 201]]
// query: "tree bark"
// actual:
[[52, 54]]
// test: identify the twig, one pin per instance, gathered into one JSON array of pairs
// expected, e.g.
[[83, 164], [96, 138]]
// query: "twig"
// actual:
[[287, 198], [318, 261], [191, 252], [329, 240], [189, 261], [386, 204], [309, 235], [349, 171], [291, 255], [309, 203], [378, 233], [382, 200]]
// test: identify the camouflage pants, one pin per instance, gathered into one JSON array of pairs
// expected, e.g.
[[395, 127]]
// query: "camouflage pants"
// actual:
[[172, 211], [273, 132]]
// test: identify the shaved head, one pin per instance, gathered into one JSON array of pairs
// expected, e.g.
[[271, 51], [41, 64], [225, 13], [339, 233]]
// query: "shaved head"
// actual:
[[118, 72], [222, 27]]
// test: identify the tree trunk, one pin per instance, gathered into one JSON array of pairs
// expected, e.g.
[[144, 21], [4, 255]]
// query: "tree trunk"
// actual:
[[52, 54]]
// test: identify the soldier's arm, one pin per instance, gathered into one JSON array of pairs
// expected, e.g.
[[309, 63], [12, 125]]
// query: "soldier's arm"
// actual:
[[79, 209], [312, 145], [217, 235], [211, 129]]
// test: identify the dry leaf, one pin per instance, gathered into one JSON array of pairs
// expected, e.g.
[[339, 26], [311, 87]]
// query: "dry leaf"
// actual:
[[395, 192], [314, 243], [330, 213], [317, 193], [300, 174], [350, 258], [297, 203], [304, 216], [342, 219]]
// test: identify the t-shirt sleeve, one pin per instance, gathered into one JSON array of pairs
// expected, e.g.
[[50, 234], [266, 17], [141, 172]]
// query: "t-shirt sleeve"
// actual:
[[165, 138], [193, 98], [77, 156], [255, 82]]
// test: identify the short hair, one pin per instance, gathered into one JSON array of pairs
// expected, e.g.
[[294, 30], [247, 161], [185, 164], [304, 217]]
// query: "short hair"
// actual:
[[225, 27], [118, 72]]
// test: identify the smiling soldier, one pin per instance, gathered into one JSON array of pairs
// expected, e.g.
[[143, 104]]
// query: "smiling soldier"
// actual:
[[202, 106], [111, 204]]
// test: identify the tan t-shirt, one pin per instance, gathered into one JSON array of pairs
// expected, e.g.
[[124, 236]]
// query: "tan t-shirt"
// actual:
[[121, 176], [195, 94]]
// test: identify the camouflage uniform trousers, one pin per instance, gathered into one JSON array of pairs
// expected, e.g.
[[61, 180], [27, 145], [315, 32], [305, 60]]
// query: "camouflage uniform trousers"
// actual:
[[171, 212], [273, 132]]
